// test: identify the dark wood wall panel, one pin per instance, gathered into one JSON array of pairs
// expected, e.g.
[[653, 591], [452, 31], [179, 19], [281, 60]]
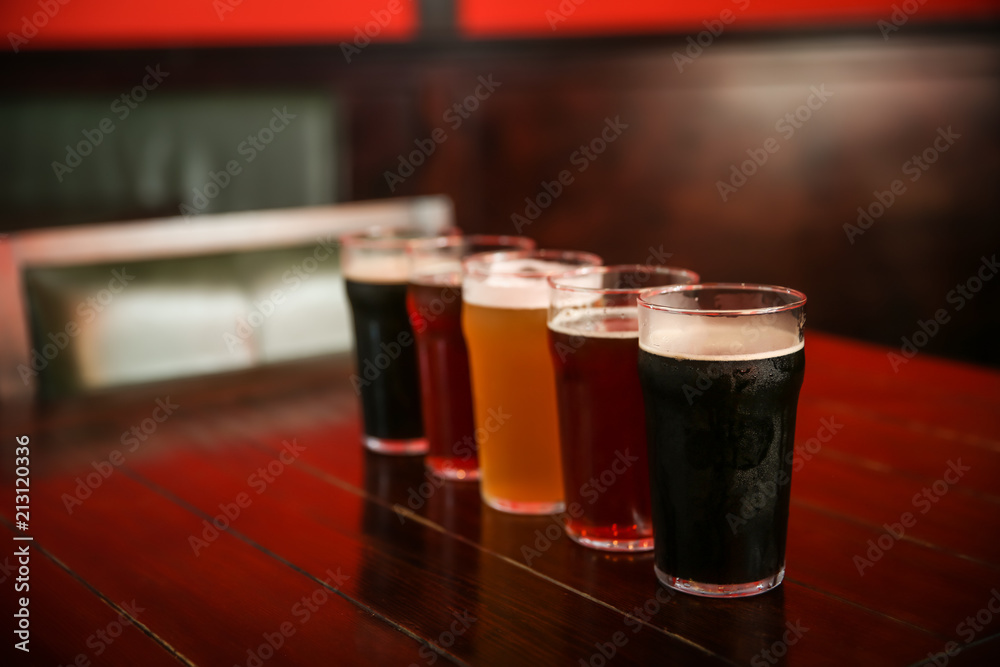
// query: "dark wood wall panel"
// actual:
[[657, 183]]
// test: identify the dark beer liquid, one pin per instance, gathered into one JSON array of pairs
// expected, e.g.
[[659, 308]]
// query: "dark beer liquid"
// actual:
[[720, 435], [387, 360], [436, 315], [603, 431]]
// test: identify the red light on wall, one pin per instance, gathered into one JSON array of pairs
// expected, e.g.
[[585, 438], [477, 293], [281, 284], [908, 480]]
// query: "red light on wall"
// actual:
[[67, 24], [553, 18], [72, 24]]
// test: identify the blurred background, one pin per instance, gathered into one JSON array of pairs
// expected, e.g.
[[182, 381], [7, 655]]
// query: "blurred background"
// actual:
[[849, 149]]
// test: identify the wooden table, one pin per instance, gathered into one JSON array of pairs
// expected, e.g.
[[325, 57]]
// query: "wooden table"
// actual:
[[341, 557]]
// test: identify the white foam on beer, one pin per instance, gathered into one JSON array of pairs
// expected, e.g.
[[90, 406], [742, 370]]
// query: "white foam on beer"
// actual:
[[590, 322], [387, 268], [436, 271], [720, 338], [504, 288], [444, 278]]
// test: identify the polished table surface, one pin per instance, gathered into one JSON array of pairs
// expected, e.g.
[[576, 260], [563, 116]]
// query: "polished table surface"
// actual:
[[329, 555]]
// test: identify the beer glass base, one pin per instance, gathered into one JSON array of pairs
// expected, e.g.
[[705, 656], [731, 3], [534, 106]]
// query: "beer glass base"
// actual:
[[409, 447], [448, 471], [605, 544], [516, 507], [720, 590]]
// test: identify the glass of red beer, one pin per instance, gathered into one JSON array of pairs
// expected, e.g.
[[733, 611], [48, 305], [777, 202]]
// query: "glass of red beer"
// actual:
[[434, 303], [593, 340]]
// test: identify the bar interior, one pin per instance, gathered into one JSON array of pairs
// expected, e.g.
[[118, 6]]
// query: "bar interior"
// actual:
[[467, 332]]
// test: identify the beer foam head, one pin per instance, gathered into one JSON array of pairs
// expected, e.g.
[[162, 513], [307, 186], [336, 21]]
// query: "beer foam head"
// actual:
[[516, 280], [578, 290], [722, 322], [438, 260], [379, 255], [622, 278], [377, 268], [611, 286], [431, 271], [596, 322]]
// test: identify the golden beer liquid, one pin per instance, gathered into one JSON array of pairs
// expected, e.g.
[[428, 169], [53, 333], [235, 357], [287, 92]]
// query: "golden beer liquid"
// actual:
[[512, 374]]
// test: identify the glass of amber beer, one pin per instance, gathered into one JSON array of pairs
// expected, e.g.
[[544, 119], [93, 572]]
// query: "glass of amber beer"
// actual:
[[434, 302], [721, 366], [376, 266], [593, 340], [506, 300]]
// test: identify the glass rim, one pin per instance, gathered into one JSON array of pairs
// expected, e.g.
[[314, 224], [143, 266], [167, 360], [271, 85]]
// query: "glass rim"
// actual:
[[450, 240], [645, 295], [435, 263], [476, 265], [554, 279], [390, 238]]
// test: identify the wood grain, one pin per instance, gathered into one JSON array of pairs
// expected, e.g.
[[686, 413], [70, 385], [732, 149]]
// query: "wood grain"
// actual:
[[419, 556]]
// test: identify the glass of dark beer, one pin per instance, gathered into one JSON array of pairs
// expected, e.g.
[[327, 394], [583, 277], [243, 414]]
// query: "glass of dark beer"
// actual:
[[593, 340], [434, 302], [721, 366], [376, 266]]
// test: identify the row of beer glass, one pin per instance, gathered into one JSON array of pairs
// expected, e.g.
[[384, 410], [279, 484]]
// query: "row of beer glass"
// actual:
[[623, 398]]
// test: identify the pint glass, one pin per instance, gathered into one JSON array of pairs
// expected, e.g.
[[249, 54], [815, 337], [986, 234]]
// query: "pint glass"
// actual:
[[434, 302], [593, 340], [506, 300], [376, 268], [721, 366]]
